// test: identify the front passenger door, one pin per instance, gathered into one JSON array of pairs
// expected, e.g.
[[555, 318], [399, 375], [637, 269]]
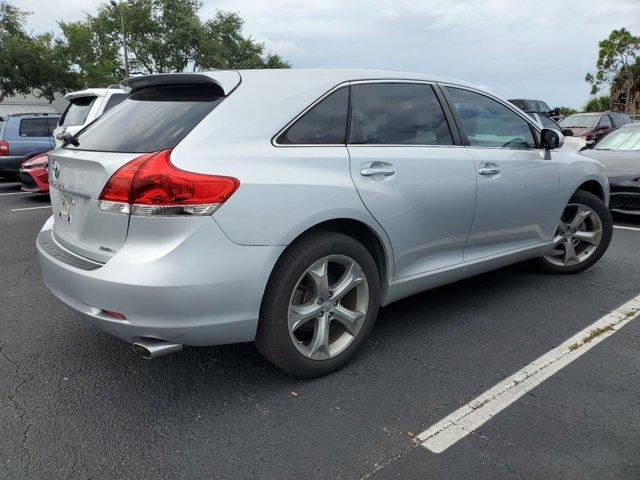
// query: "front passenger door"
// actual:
[[517, 182]]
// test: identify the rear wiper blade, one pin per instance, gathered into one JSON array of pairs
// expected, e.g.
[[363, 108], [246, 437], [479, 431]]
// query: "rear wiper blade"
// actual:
[[69, 138]]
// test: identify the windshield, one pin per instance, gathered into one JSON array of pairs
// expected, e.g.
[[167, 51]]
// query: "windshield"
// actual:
[[150, 119], [77, 111], [622, 139], [580, 121]]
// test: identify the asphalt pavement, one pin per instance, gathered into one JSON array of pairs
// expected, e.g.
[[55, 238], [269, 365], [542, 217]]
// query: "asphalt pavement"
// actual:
[[78, 403]]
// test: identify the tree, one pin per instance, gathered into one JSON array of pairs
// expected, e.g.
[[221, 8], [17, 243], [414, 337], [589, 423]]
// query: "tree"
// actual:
[[565, 111], [600, 103], [162, 36], [616, 57], [29, 63]]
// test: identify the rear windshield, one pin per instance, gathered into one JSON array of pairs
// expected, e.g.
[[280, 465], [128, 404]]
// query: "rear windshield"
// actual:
[[580, 121], [150, 119], [77, 111]]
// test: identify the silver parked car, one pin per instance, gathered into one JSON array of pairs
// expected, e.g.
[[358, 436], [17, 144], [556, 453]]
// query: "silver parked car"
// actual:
[[287, 206]]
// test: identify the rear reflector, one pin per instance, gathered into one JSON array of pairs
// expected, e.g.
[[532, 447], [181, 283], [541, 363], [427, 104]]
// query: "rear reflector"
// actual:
[[116, 315], [151, 185]]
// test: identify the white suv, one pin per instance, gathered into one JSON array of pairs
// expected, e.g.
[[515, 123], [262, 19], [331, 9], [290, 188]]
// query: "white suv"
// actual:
[[84, 107]]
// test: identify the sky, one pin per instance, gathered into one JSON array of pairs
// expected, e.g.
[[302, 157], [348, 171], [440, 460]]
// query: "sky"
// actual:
[[514, 48]]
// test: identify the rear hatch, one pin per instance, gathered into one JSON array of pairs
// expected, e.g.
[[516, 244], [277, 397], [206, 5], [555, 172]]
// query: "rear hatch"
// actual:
[[160, 111]]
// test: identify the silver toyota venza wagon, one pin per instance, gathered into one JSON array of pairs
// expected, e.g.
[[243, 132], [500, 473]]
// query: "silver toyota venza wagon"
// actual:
[[286, 206]]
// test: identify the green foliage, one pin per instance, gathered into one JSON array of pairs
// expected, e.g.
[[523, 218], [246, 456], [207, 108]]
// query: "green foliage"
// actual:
[[565, 111], [617, 55], [162, 36], [601, 103], [29, 62]]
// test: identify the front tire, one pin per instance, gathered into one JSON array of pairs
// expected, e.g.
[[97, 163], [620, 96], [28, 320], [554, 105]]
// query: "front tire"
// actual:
[[320, 304], [583, 235]]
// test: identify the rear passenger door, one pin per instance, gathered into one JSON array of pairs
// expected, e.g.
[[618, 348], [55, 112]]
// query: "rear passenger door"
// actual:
[[412, 173], [517, 182], [33, 137]]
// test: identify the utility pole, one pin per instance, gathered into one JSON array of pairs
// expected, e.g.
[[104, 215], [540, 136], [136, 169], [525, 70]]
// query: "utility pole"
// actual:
[[124, 38]]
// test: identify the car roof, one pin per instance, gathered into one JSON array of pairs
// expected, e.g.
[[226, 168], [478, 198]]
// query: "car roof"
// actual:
[[312, 78], [93, 92]]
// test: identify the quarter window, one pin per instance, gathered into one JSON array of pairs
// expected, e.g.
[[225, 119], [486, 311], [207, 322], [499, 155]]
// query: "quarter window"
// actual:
[[397, 114], [604, 122], [324, 124], [488, 123], [34, 127]]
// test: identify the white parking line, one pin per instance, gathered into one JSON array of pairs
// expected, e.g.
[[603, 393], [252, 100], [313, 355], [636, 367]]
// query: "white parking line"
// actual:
[[29, 208], [474, 414], [626, 228], [15, 193]]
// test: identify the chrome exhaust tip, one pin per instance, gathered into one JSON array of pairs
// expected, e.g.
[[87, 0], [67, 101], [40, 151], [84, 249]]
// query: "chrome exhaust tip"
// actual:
[[151, 348]]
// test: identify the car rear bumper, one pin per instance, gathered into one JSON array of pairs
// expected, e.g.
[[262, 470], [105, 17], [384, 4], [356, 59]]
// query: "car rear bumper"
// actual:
[[11, 164], [34, 180], [625, 202], [195, 289]]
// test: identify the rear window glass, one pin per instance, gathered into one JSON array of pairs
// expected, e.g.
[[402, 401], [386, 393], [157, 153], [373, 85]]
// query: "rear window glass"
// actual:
[[150, 119], [77, 111], [324, 124], [34, 127], [115, 99]]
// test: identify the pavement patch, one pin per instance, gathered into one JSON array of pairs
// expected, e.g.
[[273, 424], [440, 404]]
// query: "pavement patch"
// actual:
[[474, 414]]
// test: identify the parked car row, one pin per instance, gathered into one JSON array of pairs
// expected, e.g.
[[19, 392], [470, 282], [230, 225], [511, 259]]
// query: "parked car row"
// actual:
[[25, 138]]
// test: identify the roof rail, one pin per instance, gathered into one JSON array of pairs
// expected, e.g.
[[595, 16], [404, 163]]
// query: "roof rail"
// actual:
[[44, 114]]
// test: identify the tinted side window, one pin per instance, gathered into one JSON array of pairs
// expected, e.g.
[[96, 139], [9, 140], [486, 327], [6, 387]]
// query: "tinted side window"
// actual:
[[151, 119], [543, 108], [324, 124], [397, 114], [53, 123], [488, 123], [619, 120], [604, 121], [34, 127], [549, 123], [115, 99]]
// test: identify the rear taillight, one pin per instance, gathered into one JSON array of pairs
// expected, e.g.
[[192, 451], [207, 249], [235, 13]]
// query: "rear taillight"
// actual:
[[4, 148], [151, 185]]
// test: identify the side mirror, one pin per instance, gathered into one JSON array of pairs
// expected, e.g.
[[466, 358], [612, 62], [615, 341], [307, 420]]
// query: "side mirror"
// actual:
[[567, 132], [551, 139]]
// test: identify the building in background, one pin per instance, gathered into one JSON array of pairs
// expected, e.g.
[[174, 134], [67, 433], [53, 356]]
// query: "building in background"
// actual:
[[32, 104]]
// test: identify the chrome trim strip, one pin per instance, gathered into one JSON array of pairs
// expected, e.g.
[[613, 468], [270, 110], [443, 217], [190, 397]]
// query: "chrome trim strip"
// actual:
[[51, 247]]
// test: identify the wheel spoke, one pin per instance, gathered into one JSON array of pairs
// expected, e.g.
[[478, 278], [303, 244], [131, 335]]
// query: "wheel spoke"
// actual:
[[353, 276], [569, 252], [348, 318], [319, 346], [581, 215], [590, 237], [301, 314], [320, 276]]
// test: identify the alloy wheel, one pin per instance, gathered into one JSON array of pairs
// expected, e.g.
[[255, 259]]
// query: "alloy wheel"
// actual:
[[328, 307], [577, 236]]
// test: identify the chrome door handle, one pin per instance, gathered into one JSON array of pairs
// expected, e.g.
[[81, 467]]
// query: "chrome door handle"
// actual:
[[489, 169], [377, 168], [370, 172]]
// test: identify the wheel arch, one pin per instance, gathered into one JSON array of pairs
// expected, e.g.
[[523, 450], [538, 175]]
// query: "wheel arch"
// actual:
[[593, 187], [378, 247]]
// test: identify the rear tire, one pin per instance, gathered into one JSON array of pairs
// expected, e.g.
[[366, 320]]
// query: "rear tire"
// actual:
[[582, 237], [320, 304]]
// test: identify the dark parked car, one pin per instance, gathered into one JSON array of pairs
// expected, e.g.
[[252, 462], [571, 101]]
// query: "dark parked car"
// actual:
[[23, 136], [619, 152], [536, 106], [591, 127]]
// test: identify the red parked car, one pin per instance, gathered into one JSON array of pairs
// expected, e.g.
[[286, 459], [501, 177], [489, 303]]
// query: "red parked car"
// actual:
[[34, 175]]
